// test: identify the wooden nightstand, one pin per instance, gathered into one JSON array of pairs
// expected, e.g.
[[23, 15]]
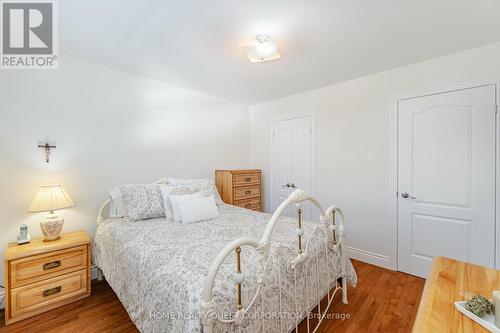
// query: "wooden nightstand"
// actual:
[[41, 276]]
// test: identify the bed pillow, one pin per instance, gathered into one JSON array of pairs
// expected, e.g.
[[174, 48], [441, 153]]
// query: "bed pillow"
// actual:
[[207, 186], [116, 208], [176, 199], [142, 201], [197, 184], [198, 209]]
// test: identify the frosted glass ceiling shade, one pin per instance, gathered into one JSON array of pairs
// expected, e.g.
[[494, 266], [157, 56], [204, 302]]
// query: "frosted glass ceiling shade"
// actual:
[[49, 198], [264, 50]]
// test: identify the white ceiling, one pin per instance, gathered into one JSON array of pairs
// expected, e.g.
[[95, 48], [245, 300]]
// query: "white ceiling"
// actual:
[[198, 44]]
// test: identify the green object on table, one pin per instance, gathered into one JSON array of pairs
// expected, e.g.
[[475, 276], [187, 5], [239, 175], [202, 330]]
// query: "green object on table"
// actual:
[[480, 306]]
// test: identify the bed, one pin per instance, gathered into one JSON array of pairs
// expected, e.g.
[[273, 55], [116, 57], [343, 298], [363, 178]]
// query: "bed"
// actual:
[[222, 275]]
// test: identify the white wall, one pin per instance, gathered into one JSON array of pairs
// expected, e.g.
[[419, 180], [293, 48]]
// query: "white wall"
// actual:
[[353, 120], [111, 128]]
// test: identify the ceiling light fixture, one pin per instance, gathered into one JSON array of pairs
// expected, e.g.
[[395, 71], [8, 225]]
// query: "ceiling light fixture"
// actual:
[[264, 50]]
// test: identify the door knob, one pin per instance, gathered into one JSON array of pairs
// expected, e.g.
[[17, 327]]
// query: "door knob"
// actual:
[[406, 196]]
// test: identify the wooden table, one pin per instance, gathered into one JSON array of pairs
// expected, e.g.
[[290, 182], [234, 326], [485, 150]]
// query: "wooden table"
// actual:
[[448, 282]]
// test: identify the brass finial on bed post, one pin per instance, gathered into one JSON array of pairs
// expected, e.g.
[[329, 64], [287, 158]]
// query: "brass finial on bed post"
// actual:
[[239, 306], [299, 230], [334, 233]]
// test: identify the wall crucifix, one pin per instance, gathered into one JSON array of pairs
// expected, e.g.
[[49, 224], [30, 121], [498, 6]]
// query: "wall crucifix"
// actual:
[[47, 145]]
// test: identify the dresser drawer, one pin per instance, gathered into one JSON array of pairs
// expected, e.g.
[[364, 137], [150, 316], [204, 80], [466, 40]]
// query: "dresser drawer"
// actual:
[[253, 204], [245, 192], [245, 179], [48, 293], [41, 267]]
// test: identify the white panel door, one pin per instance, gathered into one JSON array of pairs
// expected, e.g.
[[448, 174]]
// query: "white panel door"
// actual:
[[302, 158], [281, 168], [291, 160], [446, 178]]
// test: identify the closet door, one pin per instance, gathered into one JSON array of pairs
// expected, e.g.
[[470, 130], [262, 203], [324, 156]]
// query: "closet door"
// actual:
[[281, 166], [301, 158], [291, 161]]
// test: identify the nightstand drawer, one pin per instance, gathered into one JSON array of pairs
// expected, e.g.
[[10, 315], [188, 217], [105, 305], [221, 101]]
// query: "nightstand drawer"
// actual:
[[245, 192], [49, 293], [253, 204], [244, 179], [44, 266]]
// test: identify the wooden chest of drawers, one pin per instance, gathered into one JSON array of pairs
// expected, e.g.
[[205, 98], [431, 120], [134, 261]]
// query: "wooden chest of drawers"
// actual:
[[40, 276], [240, 187]]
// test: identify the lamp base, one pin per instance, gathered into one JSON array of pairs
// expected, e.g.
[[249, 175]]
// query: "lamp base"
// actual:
[[52, 227]]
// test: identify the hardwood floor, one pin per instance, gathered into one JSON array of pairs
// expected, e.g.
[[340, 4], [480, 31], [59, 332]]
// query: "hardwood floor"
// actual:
[[383, 301]]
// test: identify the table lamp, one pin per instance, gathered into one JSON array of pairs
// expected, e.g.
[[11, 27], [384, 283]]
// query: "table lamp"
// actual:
[[48, 199]]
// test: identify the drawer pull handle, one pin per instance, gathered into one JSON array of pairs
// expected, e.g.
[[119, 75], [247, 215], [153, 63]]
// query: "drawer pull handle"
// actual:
[[248, 192], [248, 179], [50, 265], [52, 291], [248, 205]]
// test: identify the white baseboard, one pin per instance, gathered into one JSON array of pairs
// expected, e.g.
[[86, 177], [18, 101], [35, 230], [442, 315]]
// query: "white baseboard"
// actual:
[[370, 257]]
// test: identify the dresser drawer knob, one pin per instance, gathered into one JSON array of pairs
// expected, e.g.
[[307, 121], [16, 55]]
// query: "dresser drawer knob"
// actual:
[[248, 205], [248, 192], [248, 179], [52, 291], [50, 265]]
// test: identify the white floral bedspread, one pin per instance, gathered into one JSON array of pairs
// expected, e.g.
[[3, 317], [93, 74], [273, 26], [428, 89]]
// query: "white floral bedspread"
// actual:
[[158, 269]]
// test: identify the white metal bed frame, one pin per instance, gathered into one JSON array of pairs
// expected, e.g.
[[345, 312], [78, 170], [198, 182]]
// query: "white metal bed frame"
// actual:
[[334, 239], [333, 232]]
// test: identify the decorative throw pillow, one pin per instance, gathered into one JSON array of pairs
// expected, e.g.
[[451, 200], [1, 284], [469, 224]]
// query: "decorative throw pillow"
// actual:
[[207, 186], [142, 201], [198, 209], [166, 191], [176, 199]]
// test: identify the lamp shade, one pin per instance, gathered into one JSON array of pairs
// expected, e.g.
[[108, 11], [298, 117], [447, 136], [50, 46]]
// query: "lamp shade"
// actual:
[[50, 197]]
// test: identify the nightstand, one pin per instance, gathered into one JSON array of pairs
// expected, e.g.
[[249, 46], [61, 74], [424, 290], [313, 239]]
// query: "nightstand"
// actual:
[[41, 276]]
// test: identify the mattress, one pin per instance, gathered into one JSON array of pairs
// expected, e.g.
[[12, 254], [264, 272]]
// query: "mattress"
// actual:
[[157, 269]]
